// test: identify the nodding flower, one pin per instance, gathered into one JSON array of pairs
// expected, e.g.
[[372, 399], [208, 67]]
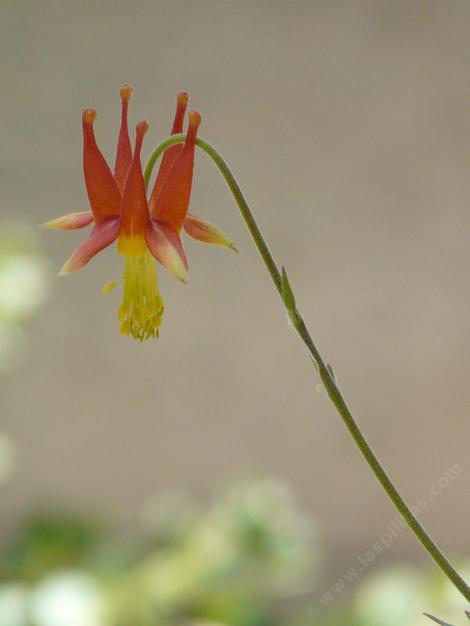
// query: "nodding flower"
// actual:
[[146, 231]]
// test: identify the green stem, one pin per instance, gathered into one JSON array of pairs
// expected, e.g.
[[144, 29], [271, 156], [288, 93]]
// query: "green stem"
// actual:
[[326, 374]]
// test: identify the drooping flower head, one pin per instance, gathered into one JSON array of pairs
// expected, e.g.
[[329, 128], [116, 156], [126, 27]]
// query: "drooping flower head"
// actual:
[[145, 230]]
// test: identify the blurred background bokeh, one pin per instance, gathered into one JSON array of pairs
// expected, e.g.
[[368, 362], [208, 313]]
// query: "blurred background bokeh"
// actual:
[[202, 477]]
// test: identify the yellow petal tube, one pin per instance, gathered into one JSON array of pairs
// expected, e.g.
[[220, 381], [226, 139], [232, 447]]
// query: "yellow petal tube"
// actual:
[[141, 311]]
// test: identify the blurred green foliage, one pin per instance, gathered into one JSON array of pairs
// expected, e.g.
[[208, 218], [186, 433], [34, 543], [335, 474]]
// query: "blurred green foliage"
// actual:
[[249, 558], [46, 543], [228, 563]]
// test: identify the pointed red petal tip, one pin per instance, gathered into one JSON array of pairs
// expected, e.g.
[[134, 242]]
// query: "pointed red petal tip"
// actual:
[[181, 104], [126, 92], [194, 123], [89, 116], [182, 98], [194, 119], [141, 129], [124, 148]]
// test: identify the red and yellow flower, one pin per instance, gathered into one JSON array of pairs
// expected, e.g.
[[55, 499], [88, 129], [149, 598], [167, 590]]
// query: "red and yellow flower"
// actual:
[[145, 230]]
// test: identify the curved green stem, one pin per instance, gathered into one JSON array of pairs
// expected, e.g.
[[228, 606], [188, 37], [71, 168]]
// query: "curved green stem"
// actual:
[[326, 374]]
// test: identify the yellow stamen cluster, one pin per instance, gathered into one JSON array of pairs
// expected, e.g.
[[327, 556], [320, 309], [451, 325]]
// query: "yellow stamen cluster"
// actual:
[[141, 311]]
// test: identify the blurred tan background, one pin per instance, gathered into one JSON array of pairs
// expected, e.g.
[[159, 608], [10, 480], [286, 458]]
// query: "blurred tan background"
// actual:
[[347, 124]]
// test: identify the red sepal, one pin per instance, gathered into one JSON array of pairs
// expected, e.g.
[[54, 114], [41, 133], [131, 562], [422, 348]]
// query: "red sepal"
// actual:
[[173, 200], [102, 189]]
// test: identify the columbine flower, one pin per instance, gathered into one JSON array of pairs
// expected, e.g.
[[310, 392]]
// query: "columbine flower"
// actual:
[[144, 230]]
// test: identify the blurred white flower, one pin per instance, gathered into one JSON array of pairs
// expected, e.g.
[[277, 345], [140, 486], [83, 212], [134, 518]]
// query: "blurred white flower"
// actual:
[[13, 605], [400, 595], [392, 597], [23, 286], [67, 599]]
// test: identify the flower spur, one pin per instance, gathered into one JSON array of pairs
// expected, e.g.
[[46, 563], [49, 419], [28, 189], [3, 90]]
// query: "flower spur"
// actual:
[[146, 231]]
